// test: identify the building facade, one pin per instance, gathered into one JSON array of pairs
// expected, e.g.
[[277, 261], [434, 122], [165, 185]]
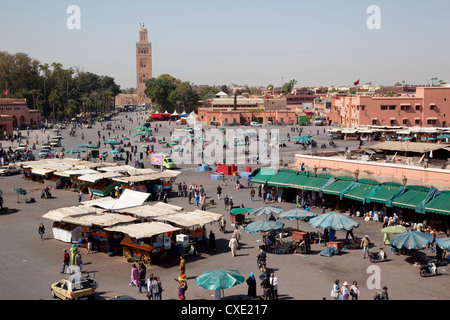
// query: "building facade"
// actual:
[[428, 107], [15, 113]]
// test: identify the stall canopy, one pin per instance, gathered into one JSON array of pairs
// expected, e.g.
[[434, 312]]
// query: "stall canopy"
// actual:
[[143, 230], [263, 175], [412, 197], [75, 211], [150, 211], [100, 219], [387, 193], [363, 191], [339, 187], [99, 176], [441, 204], [282, 178], [316, 183], [190, 219], [301, 180], [128, 199]]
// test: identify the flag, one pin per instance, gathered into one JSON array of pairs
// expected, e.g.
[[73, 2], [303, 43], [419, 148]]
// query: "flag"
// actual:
[[356, 83], [5, 92]]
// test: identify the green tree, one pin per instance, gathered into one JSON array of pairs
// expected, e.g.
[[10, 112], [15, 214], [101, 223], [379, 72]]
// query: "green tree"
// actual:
[[159, 90], [53, 98], [184, 98], [288, 86]]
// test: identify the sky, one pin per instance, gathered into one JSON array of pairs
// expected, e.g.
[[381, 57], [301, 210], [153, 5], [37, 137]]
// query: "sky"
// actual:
[[252, 42]]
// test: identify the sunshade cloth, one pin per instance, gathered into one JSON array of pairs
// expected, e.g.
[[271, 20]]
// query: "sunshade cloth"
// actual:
[[264, 210], [263, 175], [443, 243], [128, 199], [391, 230], [239, 210], [412, 197], [264, 226], [144, 229], [297, 214], [440, 204], [219, 279], [386, 194], [412, 240], [333, 220], [190, 219], [281, 179]]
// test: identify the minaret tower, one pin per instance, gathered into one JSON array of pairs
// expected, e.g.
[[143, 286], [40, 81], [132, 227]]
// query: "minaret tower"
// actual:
[[143, 63]]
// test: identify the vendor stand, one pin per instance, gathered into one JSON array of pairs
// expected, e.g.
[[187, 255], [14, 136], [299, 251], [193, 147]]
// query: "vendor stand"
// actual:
[[237, 215], [145, 241]]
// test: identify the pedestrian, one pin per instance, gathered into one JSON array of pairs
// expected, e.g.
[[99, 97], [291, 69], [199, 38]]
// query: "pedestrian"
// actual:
[[349, 233], [1, 201], [90, 239], [149, 287], [66, 260], [154, 286], [134, 276], [231, 203], [78, 260], [73, 253], [259, 191], [237, 235], [384, 294], [182, 266], [233, 245], [41, 230], [80, 196], [345, 291], [197, 200], [365, 242], [212, 241], [219, 192], [377, 296], [335, 292], [354, 291], [226, 200], [251, 283], [182, 286], [142, 275], [252, 194], [274, 284], [265, 285]]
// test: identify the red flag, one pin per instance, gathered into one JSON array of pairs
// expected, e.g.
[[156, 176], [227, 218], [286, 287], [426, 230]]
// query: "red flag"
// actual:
[[5, 92], [356, 83]]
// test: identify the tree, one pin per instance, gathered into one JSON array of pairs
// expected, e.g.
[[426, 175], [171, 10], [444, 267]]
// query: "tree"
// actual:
[[34, 93], [288, 86], [184, 98], [159, 90], [53, 98]]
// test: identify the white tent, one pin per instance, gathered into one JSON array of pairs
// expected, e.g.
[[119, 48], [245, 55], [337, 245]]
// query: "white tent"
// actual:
[[143, 230], [128, 199], [190, 219]]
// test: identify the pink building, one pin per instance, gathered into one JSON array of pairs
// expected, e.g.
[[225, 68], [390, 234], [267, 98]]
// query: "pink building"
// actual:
[[429, 107], [15, 113]]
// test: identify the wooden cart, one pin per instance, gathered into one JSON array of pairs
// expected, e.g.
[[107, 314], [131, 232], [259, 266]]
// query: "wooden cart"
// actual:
[[140, 252]]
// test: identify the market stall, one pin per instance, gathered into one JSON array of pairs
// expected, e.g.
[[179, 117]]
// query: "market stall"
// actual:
[[144, 241]]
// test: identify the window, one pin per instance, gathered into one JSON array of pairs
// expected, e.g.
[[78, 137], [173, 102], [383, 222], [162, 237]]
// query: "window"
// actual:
[[392, 107], [384, 107], [418, 107], [406, 108], [405, 121], [374, 122], [432, 107], [431, 121], [417, 121], [392, 122]]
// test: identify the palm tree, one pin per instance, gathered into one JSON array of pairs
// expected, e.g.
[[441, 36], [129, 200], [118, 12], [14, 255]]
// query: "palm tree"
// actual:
[[34, 93], [107, 95], [45, 69], [53, 98], [85, 102]]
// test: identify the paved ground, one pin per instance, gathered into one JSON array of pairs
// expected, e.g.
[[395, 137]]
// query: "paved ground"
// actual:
[[29, 265]]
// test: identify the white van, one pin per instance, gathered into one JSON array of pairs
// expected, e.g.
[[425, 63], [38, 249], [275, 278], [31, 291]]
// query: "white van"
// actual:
[[318, 121]]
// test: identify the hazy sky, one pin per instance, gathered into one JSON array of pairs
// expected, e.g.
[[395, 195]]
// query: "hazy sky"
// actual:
[[254, 42]]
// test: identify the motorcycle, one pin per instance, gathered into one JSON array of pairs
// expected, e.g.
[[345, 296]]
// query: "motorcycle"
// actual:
[[323, 146], [377, 256], [262, 265], [428, 269]]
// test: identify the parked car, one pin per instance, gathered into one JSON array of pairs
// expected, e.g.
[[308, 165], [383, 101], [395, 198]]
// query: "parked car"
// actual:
[[9, 169], [22, 147], [74, 287], [255, 124], [28, 157], [44, 153], [55, 142]]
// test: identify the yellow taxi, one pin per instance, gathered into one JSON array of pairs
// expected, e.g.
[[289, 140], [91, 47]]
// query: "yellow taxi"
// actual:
[[74, 287]]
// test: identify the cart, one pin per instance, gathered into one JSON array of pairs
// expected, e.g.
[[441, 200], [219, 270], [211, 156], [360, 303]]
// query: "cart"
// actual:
[[135, 252]]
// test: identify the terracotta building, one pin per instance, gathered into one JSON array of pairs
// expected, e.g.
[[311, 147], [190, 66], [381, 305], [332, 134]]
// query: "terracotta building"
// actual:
[[15, 113], [143, 72], [428, 107]]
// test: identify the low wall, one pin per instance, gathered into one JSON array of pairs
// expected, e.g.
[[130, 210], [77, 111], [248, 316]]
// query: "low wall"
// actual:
[[375, 170]]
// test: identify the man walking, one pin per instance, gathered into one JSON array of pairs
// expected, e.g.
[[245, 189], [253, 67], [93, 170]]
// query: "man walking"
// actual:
[[233, 245], [274, 286], [226, 200], [365, 245], [66, 260], [219, 192]]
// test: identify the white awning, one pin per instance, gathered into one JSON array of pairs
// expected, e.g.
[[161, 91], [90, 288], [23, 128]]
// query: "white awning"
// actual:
[[143, 230], [98, 176], [128, 199], [42, 172], [75, 211], [147, 211], [190, 219], [68, 173], [101, 219]]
